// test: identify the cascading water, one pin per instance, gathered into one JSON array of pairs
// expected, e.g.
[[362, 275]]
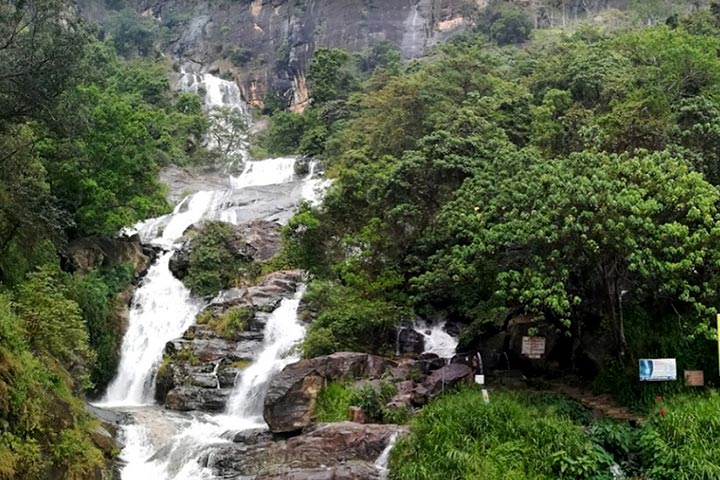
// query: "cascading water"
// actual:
[[163, 445], [162, 310], [282, 333], [437, 340]]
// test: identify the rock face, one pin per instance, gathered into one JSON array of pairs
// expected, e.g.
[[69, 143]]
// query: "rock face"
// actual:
[[328, 451], [290, 401], [89, 253], [267, 44], [200, 368]]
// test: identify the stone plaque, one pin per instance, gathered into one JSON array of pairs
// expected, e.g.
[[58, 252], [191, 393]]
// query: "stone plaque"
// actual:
[[533, 347]]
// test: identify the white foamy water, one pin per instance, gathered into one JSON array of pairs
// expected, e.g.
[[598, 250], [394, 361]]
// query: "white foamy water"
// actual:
[[162, 309], [383, 461], [437, 340], [283, 332], [266, 172]]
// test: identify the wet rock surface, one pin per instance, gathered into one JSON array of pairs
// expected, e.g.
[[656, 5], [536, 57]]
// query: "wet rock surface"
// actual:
[[230, 38], [342, 450]]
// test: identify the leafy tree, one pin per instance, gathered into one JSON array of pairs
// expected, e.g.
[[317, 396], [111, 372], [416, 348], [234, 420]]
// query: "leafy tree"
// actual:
[[132, 34], [108, 172], [602, 225], [228, 132], [332, 75], [40, 48], [513, 26]]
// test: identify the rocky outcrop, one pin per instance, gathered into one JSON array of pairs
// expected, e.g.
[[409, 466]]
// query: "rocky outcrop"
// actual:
[[266, 45], [291, 398], [200, 368], [328, 451], [89, 253], [256, 241]]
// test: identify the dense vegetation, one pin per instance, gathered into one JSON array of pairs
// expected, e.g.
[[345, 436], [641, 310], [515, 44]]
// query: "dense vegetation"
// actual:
[[539, 436], [574, 180], [83, 133]]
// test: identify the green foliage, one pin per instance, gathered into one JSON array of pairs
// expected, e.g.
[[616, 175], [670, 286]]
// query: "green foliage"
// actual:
[[332, 74], [285, 134], [513, 26], [96, 293], [333, 402], [43, 427], [347, 320], [132, 34], [372, 399], [230, 323], [52, 322], [335, 399], [676, 444], [214, 263], [459, 436]]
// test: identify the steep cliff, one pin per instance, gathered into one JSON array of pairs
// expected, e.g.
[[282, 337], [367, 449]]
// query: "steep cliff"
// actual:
[[266, 44]]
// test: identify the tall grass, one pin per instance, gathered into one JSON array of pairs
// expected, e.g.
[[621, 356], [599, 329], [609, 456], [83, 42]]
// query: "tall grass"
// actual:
[[512, 438]]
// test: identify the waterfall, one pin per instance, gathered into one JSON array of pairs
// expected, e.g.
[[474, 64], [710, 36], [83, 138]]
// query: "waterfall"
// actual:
[[266, 172], [437, 340], [162, 309], [283, 331], [384, 459], [164, 445]]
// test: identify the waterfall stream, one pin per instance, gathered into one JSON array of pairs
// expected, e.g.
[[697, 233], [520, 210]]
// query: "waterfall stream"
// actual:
[[437, 340], [164, 445]]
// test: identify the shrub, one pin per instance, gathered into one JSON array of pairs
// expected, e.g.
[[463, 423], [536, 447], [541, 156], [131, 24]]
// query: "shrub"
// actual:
[[333, 402], [214, 265], [230, 323], [347, 320]]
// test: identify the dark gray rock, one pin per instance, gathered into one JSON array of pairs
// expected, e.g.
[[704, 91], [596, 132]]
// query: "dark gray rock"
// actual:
[[429, 362], [180, 261], [409, 342], [343, 450], [291, 397], [188, 398], [443, 379]]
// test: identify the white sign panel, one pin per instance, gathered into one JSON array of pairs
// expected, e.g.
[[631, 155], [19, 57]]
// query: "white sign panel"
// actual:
[[658, 369], [533, 347]]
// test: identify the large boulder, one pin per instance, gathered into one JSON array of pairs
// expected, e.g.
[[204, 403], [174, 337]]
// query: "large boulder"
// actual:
[[266, 296], [291, 398], [187, 398], [409, 341], [440, 380], [334, 451], [89, 253]]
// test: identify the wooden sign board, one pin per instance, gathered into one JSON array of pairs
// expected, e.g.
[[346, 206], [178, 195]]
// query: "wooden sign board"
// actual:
[[533, 347], [694, 378]]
